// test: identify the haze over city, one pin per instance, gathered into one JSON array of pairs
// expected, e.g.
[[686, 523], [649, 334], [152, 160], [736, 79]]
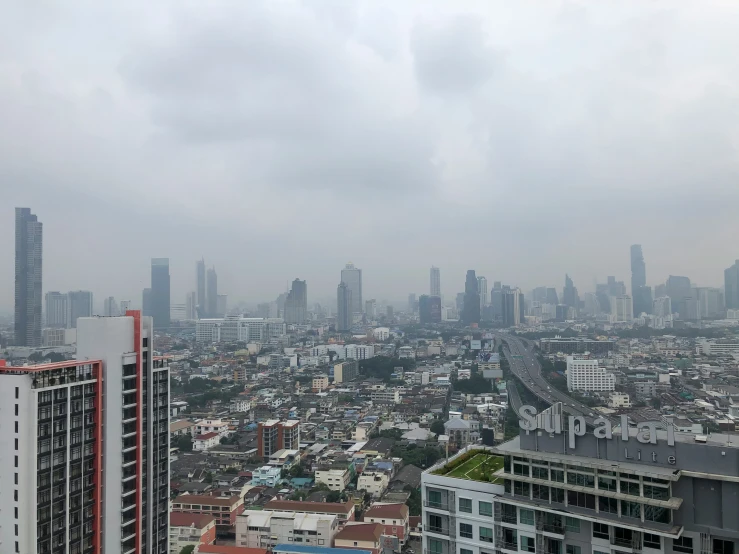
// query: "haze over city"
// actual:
[[280, 140]]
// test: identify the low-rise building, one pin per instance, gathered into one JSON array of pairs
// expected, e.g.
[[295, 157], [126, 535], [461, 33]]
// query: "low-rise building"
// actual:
[[374, 481], [320, 383], [180, 428], [360, 536], [268, 528], [385, 396], [206, 441], [203, 426], [190, 529], [223, 508], [337, 479], [393, 517], [269, 476], [343, 511], [619, 400]]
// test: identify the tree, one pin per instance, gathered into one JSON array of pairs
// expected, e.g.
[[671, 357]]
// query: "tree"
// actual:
[[189, 549], [333, 496], [437, 426], [208, 478], [184, 443]]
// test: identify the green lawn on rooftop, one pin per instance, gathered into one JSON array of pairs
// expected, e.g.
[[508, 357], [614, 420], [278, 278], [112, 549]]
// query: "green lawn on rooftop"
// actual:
[[479, 467]]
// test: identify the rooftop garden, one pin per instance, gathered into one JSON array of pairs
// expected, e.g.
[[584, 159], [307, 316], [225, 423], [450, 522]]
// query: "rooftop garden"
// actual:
[[477, 465]]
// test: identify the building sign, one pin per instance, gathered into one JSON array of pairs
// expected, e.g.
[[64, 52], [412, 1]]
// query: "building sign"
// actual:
[[551, 423]]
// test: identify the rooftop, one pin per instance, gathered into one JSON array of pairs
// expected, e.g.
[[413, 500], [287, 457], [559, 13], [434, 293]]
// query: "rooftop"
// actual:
[[476, 465], [317, 549]]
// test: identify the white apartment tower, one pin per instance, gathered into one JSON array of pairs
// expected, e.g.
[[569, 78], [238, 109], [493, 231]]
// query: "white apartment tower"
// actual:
[[84, 446], [586, 375], [435, 275]]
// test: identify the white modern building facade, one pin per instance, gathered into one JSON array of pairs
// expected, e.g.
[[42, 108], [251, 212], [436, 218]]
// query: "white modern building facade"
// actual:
[[268, 528], [240, 329], [587, 376]]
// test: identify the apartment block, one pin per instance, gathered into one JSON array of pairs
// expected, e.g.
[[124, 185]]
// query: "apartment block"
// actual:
[[267, 528], [274, 435], [588, 376]]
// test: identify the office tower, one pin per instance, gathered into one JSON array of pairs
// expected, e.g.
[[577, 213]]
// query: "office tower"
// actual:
[[569, 294], [28, 258], [110, 307], [263, 310], [211, 294], [370, 308], [710, 302], [344, 307], [471, 307], [660, 290], [539, 294], [80, 305], [412, 303], [57, 310], [638, 268], [222, 302], [731, 286], [679, 289], [562, 312], [389, 312], [435, 275], [642, 300], [146, 303], [296, 303], [482, 290], [512, 307], [496, 302], [352, 277], [662, 306], [160, 299], [429, 309], [124, 306], [191, 305], [90, 469], [200, 288], [552, 297], [622, 309], [459, 302]]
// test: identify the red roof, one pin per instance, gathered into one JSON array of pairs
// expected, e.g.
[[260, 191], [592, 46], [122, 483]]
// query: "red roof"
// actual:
[[318, 507], [206, 436], [365, 532], [186, 519], [219, 549], [388, 511]]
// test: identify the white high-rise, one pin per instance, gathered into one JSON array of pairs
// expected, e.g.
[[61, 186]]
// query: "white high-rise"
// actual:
[[622, 309], [662, 306], [110, 307], [57, 310], [482, 289], [588, 376], [352, 278], [435, 276]]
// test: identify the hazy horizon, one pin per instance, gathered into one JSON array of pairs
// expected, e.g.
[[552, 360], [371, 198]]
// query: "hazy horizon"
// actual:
[[524, 140]]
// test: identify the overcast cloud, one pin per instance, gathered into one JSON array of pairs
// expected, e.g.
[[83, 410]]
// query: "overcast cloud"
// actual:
[[281, 139]]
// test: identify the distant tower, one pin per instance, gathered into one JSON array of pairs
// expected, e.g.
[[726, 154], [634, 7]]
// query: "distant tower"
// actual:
[[211, 306], [80, 305], [296, 303], [352, 278], [200, 295], [471, 308], [482, 289], [435, 276], [344, 304], [28, 258], [57, 310], [160, 299]]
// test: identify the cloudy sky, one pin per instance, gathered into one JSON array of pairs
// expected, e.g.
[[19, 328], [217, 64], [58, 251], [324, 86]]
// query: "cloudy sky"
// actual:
[[281, 139]]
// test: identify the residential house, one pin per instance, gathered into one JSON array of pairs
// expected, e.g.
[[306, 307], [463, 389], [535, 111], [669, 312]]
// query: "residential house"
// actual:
[[223, 508], [190, 529], [268, 528], [206, 441], [360, 536], [394, 518]]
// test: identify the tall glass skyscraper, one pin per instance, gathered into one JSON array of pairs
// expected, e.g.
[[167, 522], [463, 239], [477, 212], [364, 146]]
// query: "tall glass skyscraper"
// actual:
[[28, 256], [435, 275], [352, 277], [160, 292]]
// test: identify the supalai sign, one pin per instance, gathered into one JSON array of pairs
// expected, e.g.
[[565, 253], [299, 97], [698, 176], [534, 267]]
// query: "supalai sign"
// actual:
[[551, 423]]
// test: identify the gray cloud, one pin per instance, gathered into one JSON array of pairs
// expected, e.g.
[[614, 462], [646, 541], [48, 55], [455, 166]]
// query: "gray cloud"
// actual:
[[523, 139]]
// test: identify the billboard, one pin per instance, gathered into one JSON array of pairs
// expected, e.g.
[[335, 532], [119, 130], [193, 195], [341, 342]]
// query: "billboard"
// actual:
[[475, 345]]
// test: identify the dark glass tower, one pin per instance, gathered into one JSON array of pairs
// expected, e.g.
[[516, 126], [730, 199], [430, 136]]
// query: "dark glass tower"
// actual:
[[471, 308], [160, 292], [28, 254]]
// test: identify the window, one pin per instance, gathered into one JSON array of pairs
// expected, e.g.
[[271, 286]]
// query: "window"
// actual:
[[580, 480], [652, 541], [581, 499], [521, 489], [465, 505], [528, 544], [486, 534], [572, 524], [558, 475], [600, 531], [720, 546], [683, 544], [465, 551], [572, 549], [465, 530], [526, 516], [656, 492], [599, 552], [608, 505], [435, 525], [558, 495], [630, 488], [657, 514], [434, 498], [520, 469], [607, 484], [435, 546], [630, 509], [485, 508], [540, 472]]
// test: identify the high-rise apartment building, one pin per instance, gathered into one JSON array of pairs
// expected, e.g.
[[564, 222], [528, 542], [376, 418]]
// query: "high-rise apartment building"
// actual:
[[471, 307], [482, 290], [569, 294], [638, 268], [211, 295], [191, 305], [662, 306], [146, 309], [84, 454], [731, 286], [296, 304], [124, 306], [370, 308], [80, 305], [160, 297], [412, 304], [344, 307], [435, 276], [352, 277], [512, 307], [274, 435], [622, 309], [110, 307], [28, 261], [222, 305], [57, 310], [200, 288], [429, 309], [588, 376]]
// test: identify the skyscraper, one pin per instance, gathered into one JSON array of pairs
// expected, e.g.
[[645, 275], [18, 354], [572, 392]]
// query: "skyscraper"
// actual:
[[344, 307], [731, 286], [638, 268], [160, 299], [680, 292], [28, 258], [569, 294], [200, 297], [110, 307], [482, 289], [80, 305], [83, 478], [435, 275], [512, 307], [552, 297], [471, 308], [352, 277], [429, 309], [296, 304], [146, 309], [191, 305], [412, 303], [57, 310], [211, 295]]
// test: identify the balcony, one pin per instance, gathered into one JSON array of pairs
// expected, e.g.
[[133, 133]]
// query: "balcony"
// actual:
[[436, 505], [511, 519], [437, 530], [509, 546]]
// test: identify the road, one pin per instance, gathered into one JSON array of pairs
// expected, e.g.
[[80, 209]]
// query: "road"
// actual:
[[527, 369]]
